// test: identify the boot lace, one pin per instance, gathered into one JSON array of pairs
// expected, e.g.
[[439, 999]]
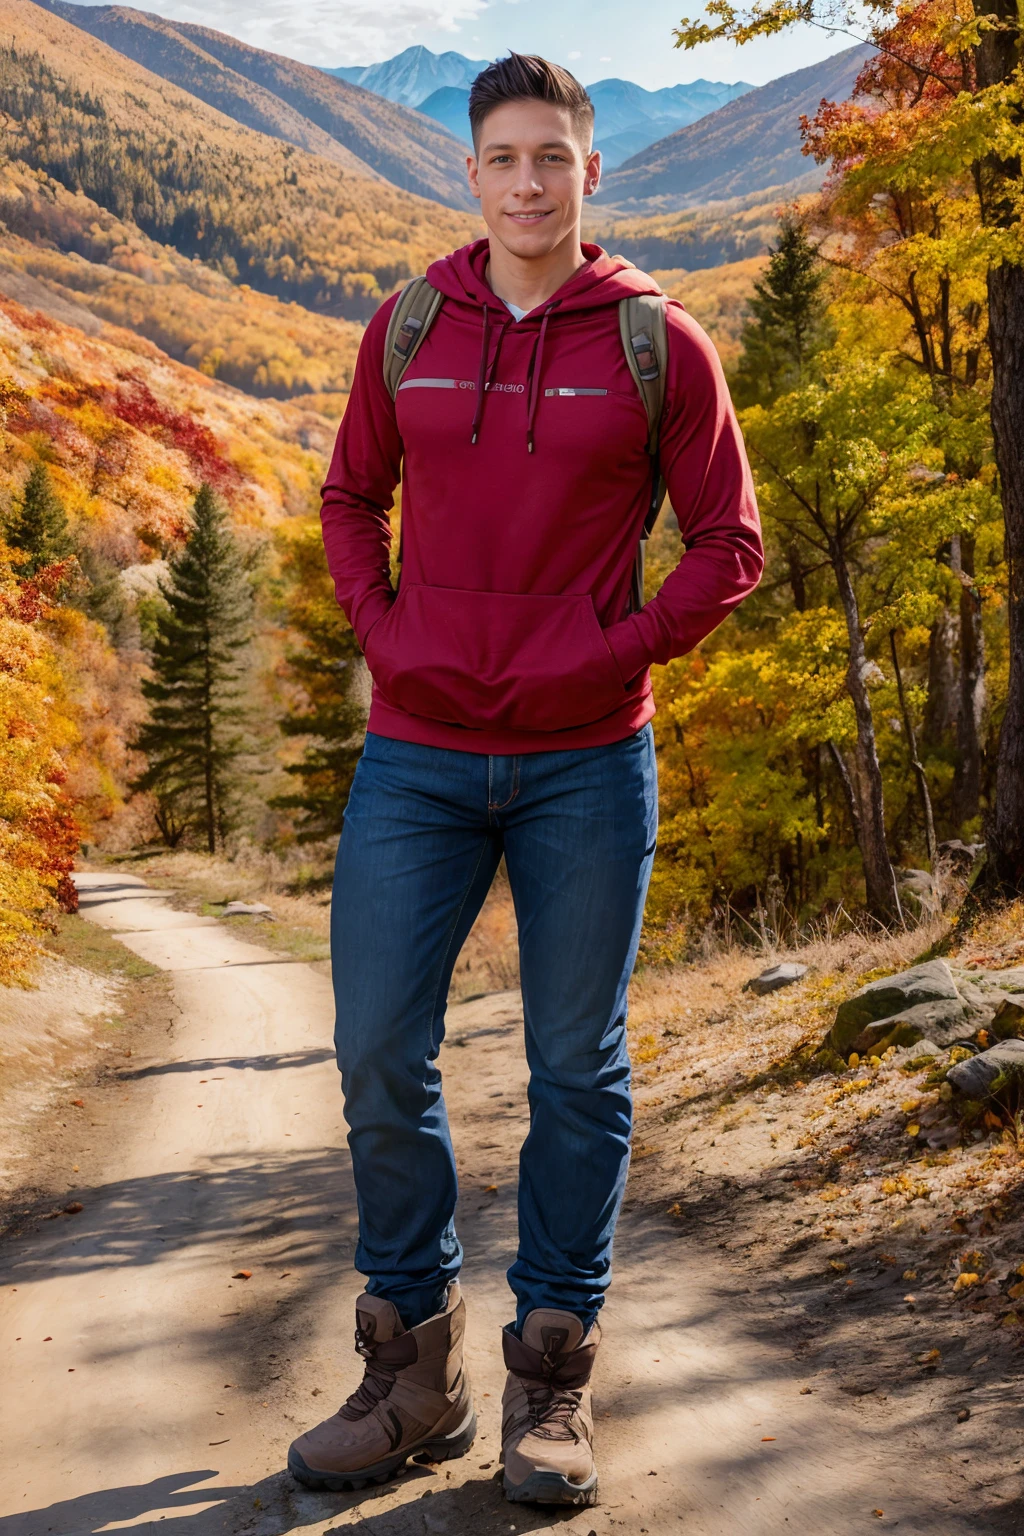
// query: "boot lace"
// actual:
[[552, 1411], [378, 1379]]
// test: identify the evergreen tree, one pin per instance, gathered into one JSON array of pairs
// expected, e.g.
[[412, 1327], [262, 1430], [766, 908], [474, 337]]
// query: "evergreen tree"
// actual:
[[786, 325], [40, 525], [194, 738], [331, 673]]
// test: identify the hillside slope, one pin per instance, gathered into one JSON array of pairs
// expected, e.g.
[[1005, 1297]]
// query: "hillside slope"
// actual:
[[279, 96], [747, 146], [290, 223]]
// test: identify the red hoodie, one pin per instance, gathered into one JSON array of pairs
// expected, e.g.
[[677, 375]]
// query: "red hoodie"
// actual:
[[526, 480]]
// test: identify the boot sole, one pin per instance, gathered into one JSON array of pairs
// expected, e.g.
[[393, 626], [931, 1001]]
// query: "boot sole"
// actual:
[[439, 1448], [552, 1488]]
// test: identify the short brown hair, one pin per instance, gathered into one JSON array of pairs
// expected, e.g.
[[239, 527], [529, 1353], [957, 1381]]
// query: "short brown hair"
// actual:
[[525, 77]]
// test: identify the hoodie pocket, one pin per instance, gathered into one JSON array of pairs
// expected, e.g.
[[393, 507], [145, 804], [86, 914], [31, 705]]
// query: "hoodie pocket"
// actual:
[[478, 659]]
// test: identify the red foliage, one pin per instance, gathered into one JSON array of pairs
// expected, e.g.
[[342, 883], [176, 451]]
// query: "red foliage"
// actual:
[[60, 835], [136, 405], [33, 597]]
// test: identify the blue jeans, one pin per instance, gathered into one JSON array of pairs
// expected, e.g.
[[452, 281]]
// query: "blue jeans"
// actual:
[[424, 832]]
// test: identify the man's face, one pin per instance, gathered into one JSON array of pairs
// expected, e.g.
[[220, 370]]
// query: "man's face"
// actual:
[[531, 174]]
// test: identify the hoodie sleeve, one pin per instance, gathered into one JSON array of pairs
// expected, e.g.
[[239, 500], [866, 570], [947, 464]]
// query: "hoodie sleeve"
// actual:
[[709, 483], [358, 493]]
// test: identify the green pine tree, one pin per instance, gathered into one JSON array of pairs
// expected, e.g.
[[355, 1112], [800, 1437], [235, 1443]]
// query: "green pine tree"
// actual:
[[39, 526], [331, 714], [786, 326], [195, 737]]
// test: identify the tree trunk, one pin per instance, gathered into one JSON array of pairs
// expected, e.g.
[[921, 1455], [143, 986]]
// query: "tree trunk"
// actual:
[[1005, 830], [940, 710], [880, 882], [996, 59], [967, 780], [915, 761]]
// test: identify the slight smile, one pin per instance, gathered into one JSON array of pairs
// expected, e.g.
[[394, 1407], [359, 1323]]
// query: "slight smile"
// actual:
[[530, 218]]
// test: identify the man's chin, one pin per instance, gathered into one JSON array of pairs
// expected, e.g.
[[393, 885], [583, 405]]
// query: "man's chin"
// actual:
[[530, 244]]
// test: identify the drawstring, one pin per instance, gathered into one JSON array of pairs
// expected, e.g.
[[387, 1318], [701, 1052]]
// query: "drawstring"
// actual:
[[533, 375], [481, 376], [485, 374]]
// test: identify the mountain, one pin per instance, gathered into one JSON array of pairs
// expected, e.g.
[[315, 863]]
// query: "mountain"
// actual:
[[365, 134], [627, 117], [748, 145], [412, 76], [294, 225], [449, 106]]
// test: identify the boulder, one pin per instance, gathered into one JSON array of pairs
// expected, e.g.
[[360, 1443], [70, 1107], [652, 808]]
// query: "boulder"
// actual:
[[774, 977], [247, 909], [941, 1021], [931, 982], [1008, 1019], [974, 1078], [921, 1050]]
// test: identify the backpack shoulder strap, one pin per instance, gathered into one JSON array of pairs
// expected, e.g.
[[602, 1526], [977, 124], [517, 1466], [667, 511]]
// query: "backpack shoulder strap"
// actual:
[[644, 328], [411, 319]]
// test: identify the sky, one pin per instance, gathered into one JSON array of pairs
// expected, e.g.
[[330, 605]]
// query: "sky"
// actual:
[[593, 38]]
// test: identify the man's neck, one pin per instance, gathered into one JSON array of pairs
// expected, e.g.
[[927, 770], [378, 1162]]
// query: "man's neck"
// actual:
[[526, 284]]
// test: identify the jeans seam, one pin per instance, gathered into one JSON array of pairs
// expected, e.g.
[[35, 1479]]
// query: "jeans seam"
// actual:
[[451, 935], [515, 785]]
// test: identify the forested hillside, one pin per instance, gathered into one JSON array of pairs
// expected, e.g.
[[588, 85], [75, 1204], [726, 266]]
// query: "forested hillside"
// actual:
[[289, 100], [292, 224]]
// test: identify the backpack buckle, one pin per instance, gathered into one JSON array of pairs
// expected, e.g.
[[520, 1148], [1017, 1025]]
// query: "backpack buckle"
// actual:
[[646, 357], [406, 338]]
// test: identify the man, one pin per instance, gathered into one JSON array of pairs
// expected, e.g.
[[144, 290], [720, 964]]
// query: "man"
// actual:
[[510, 716]]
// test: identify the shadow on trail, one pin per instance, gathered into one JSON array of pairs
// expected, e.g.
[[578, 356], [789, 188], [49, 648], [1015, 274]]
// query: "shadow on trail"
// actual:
[[302, 1201], [92, 1511], [272, 1062]]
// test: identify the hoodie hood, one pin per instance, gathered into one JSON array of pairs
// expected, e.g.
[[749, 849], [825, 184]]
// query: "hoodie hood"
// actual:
[[603, 280]]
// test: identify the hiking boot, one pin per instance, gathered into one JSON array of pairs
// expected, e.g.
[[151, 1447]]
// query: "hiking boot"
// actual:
[[414, 1397], [547, 1427]]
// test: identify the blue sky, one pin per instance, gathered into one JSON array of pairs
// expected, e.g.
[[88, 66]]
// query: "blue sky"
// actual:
[[595, 38]]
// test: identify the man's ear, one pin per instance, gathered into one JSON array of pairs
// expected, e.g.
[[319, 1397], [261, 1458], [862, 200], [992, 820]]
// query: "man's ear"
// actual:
[[592, 173], [473, 175]]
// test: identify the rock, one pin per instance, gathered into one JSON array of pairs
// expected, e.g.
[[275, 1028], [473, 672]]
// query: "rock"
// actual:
[[247, 909], [931, 982], [921, 1050], [1008, 1019], [774, 977], [918, 892], [974, 1078], [942, 1021], [961, 854]]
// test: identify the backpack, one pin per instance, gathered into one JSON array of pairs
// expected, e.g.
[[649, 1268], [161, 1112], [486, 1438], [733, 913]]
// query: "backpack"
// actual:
[[644, 330]]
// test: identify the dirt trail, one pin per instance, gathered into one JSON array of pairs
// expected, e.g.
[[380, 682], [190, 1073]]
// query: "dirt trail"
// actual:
[[142, 1386]]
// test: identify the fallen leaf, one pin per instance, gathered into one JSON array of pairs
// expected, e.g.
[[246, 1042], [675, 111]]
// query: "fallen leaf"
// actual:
[[242, 1274], [879, 1512], [674, 1210], [929, 1357], [78, 1103], [914, 1129], [74, 1208], [1016, 1291], [48, 1339], [805, 1391], [767, 1439], [963, 1415], [992, 1121], [910, 1274], [965, 1281], [888, 1258], [492, 1189], [839, 1266], [220, 1442]]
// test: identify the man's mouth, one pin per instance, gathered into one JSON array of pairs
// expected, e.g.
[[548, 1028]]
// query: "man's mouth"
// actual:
[[530, 218]]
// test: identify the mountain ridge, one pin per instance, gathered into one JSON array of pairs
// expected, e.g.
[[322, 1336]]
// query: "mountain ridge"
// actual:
[[751, 143], [367, 134]]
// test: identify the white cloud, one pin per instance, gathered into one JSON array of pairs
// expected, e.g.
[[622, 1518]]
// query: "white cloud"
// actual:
[[605, 58], [575, 54], [324, 32]]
